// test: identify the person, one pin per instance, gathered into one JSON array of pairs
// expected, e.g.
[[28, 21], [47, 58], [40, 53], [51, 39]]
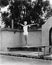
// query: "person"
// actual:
[[25, 30]]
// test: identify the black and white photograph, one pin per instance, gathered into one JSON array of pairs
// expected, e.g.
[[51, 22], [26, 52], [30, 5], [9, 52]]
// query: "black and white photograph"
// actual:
[[25, 32]]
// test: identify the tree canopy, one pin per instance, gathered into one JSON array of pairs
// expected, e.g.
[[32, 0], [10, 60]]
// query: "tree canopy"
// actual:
[[33, 12]]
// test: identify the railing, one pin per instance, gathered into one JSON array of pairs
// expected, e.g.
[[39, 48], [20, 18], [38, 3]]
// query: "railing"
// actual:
[[41, 50], [44, 50]]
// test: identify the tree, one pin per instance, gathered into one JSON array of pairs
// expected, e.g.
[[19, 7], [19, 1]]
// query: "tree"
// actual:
[[34, 11]]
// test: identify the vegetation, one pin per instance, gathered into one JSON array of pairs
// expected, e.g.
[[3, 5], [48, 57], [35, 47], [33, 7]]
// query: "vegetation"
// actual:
[[33, 12]]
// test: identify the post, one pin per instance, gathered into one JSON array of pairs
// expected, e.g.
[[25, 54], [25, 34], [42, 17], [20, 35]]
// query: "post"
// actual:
[[38, 51], [12, 24]]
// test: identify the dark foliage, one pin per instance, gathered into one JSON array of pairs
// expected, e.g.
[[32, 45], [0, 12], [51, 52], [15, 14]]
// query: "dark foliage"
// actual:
[[23, 11]]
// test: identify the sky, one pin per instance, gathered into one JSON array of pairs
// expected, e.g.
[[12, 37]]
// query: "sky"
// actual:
[[50, 1]]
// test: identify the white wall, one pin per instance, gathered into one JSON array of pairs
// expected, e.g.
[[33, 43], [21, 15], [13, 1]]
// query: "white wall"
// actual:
[[0, 39], [11, 39], [45, 33], [35, 38]]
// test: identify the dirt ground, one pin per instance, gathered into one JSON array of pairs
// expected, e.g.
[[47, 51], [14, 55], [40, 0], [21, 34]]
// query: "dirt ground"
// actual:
[[10, 60]]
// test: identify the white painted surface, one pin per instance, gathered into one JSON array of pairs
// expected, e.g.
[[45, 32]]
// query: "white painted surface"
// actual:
[[11, 39], [35, 38], [45, 33], [8, 60]]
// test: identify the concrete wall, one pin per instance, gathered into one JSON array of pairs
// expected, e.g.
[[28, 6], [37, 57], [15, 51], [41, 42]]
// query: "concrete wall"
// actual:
[[35, 38], [0, 39], [11, 39], [45, 33], [51, 37]]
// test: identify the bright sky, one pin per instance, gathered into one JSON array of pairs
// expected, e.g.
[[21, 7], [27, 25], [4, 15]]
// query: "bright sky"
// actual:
[[5, 9], [33, 0], [50, 2], [44, 0]]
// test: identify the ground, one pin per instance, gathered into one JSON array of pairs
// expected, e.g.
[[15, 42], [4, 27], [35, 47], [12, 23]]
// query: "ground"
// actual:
[[10, 60]]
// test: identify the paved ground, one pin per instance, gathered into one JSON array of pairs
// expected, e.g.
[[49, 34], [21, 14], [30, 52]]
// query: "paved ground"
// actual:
[[22, 53], [10, 60], [14, 60], [27, 54]]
